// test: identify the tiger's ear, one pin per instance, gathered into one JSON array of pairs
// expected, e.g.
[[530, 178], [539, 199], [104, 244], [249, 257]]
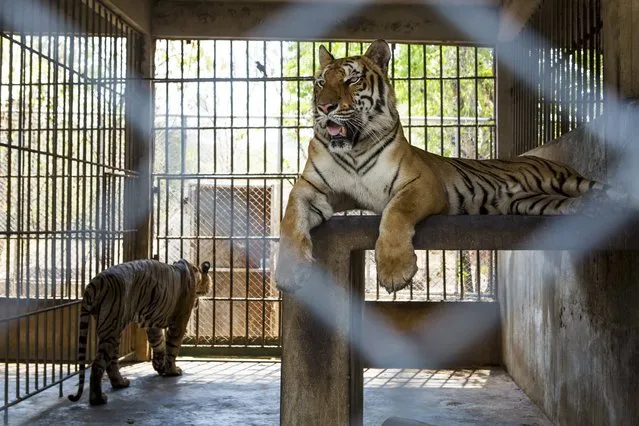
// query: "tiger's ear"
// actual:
[[205, 267], [325, 56], [379, 52]]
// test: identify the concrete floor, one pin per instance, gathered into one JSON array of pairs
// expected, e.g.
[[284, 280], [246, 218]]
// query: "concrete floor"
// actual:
[[247, 393]]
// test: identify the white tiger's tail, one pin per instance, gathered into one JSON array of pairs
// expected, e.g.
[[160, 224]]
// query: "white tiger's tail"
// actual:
[[85, 311]]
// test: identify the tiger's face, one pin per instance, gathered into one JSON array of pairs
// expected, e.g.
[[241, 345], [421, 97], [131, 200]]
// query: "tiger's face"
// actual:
[[202, 279], [353, 99], [199, 275]]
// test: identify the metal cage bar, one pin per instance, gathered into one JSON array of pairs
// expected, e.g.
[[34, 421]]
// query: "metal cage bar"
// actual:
[[64, 168], [565, 59], [231, 126]]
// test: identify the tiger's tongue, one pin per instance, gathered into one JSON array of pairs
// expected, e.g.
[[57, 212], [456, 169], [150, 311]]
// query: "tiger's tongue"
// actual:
[[335, 129]]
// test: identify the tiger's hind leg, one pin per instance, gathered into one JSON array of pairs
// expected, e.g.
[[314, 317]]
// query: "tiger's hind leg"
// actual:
[[155, 336], [109, 327], [113, 369], [102, 359], [594, 202], [174, 336]]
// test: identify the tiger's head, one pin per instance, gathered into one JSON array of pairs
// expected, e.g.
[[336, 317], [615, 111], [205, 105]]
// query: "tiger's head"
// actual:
[[200, 276], [202, 279], [353, 99]]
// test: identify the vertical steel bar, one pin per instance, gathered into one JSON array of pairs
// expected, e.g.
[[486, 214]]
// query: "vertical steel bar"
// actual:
[[183, 125], [264, 169], [280, 170], [70, 154], [20, 199], [167, 137], [213, 311], [4, 8], [410, 127], [247, 274], [460, 254], [28, 227], [441, 145], [198, 192], [476, 87], [425, 100], [10, 191], [48, 180], [54, 192], [232, 201]]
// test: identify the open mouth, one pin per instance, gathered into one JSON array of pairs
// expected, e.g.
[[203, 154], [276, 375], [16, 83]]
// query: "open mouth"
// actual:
[[335, 129]]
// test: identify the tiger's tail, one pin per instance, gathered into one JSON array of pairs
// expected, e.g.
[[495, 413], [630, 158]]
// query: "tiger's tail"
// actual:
[[85, 311]]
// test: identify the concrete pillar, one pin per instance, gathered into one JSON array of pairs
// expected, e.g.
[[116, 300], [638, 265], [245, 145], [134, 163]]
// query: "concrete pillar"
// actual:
[[138, 189], [621, 80], [621, 46]]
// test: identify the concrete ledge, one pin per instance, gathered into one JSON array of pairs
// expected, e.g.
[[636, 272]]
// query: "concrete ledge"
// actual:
[[494, 232]]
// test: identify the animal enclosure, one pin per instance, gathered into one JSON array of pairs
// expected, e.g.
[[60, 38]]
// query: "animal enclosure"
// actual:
[[232, 123], [232, 120]]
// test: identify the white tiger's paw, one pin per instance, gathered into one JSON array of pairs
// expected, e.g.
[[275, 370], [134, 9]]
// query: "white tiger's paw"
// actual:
[[396, 267]]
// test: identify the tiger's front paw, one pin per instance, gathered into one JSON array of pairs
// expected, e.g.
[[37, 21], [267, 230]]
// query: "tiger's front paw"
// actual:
[[294, 265], [172, 371], [396, 264]]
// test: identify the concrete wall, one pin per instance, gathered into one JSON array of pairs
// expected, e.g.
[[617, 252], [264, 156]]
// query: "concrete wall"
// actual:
[[135, 12], [570, 320], [308, 21]]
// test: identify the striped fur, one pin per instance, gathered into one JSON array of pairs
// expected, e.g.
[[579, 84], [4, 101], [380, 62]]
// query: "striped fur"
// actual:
[[359, 158], [154, 295]]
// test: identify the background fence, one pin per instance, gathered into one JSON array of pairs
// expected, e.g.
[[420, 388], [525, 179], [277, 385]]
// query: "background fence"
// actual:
[[64, 168], [565, 60], [232, 124]]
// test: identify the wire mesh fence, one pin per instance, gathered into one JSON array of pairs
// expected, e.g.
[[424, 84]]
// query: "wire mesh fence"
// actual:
[[232, 122], [63, 173]]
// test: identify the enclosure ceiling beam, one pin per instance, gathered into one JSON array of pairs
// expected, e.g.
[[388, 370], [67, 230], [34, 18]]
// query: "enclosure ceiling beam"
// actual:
[[72, 16], [387, 2], [136, 12], [513, 16], [63, 17], [305, 21]]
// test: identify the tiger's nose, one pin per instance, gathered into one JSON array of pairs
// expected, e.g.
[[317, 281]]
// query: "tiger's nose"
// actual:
[[326, 108]]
